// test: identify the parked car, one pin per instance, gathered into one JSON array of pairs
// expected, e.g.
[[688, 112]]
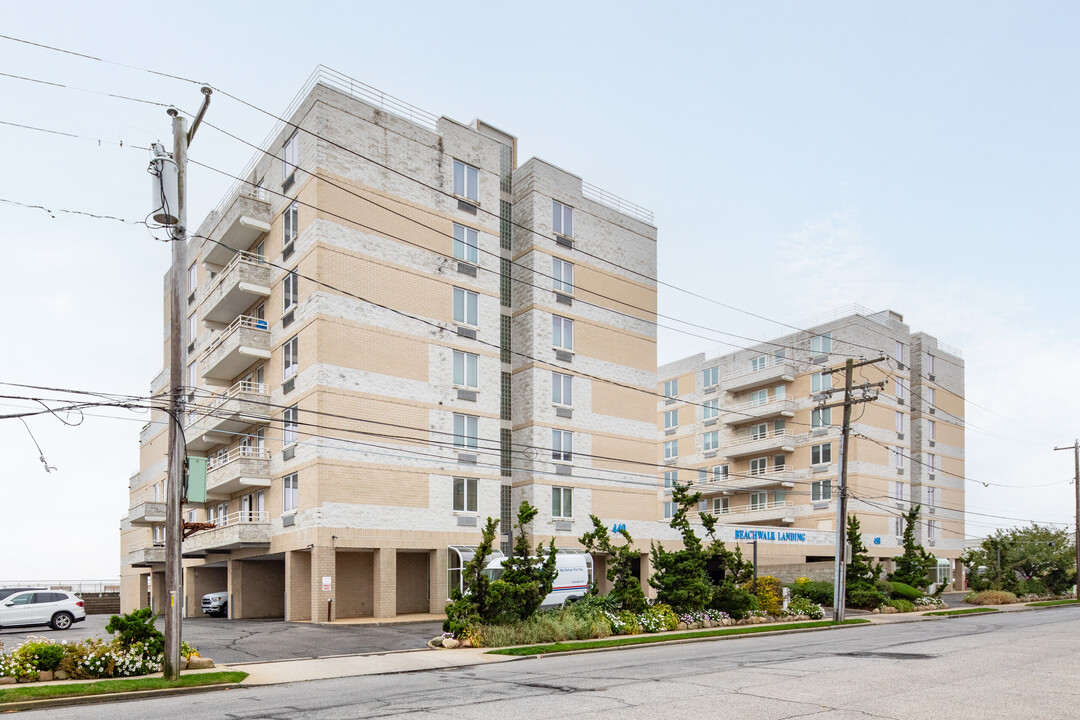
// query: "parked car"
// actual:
[[55, 608], [5, 592], [216, 604]]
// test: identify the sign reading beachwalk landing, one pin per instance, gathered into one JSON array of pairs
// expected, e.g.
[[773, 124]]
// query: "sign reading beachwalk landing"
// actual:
[[771, 535]]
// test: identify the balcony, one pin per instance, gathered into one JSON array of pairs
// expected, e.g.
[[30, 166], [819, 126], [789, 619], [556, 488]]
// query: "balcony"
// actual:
[[244, 529], [239, 469], [775, 407], [241, 406], [762, 444], [245, 341], [147, 513], [780, 512], [145, 554], [244, 281], [771, 478], [243, 221], [775, 370]]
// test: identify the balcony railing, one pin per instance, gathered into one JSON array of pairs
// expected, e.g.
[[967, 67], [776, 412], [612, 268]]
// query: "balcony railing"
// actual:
[[244, 280], [242, 516], [244, 321], [246, 340], [777, 406], [765, 511], [220, 460], [245, 528], [774, 369], [769, 441]]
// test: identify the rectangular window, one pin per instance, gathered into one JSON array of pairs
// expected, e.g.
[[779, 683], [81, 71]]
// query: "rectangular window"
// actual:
[[464, 494], [465, 312], [898, 526], [290, 290], [931, 430], [931, 496], [820, 490], [562, 445], [820, 417], [759, 500], [466, 181], [779, 462], [290, 492], [562, 502], [759, 397], [932, 530], [562, 218], [720, 472], [899, 421], [758, 363], [466, 431], [900, 389], [759, 431], [930, 397], [670, 478], [710, 377], [702, 475], [290, 421], [897, 457], [779, 427], [899, 490], [671, 388], [711, 409], [669, 510], [929, 364], [759, 466], [290, 223], [192, 278], [562, 274], [671, 419], [710, 441], [562, 332], [821, 454], [291, 154], [291, 357], [932, 462], [562, 389], [671, 449], [820, 381], [465, 369], [721, 505], [821, 344], [192, 376], [899, 352], [466, 242]]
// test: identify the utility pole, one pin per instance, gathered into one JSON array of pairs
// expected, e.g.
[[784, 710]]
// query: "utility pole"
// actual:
[[1075, 447], [840, 569], [174, 532]]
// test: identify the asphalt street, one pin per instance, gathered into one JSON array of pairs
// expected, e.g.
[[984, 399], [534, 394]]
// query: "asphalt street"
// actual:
[[1015, 665]]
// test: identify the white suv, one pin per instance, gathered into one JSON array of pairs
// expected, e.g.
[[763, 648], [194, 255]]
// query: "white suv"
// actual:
[[56, 608]]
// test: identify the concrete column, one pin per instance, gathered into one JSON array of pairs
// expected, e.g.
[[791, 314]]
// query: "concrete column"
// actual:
[[192, 600], [437, 581], [157, 591], [143, 597], [385, 584], [646, 572], [322, 565], [236, 586], [298, 585]]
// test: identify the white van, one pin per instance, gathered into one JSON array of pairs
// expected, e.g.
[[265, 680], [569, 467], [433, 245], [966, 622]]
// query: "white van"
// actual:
[[575, 573]]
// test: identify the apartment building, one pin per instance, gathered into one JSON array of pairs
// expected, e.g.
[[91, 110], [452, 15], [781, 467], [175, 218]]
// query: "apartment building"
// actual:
[[395, 331], [747, 429]]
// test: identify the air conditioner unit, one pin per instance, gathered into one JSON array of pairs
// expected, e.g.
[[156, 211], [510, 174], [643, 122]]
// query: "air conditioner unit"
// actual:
[[900, 471], [933, 510], [899, 436], [899, 401], [931, 411], [933, 443], [931, 376]]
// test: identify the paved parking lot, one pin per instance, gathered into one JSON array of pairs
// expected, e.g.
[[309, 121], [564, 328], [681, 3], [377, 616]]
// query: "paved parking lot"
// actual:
[[232, 641]]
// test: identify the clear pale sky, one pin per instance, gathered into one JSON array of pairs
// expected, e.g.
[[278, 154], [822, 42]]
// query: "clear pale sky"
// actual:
[[799, 157]]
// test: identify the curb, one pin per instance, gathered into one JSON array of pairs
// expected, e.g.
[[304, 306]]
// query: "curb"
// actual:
[[109, 697]]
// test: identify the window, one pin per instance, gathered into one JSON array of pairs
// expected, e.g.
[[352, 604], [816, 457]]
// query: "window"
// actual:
[[562, 218], [671, 419], [929, 364], [711, 409], [719, 472], [465, 369], [759, 431], [820, 381], [779, 462], [562, 502], [931, 430], [669, 510], [779, 427], [897, 457], [466, 433], [562, 332], [898, 526], [899, 352], [290, 492], [820, 490], [290, 223], [759, 500], [562, 389], [932, 462], [759, 466], [721, 505], [670, 478], [702, 475], [932, 530], [290, 290], [290, 421], [931, 496], [930, 397], [900, 390], [759, 397], [192, 375], [820, 417], [291, 357], [159, 536], [710, 377], [821, 344], [758, 363], [671, 388], [779, 392], [821, 454], [291, 154], [465, 307], [899, 421], [710, 441], [671, 449], [466, 181], [562, 445], [464, 494], [465, 243], [562, 274], [192, 278]]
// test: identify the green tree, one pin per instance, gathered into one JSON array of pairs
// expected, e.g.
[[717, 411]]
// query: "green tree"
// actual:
[[1033, 559], [626, 587], [472, 606], [861, 572], [913, 567], [526, 579], [680, 577]]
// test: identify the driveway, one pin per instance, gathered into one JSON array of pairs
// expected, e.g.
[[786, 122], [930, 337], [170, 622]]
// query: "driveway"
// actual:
[[233, 641]]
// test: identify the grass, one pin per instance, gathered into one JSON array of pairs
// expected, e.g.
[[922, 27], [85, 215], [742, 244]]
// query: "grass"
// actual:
[[965, 611], [104, 687], [1051, 603], [645, 639]]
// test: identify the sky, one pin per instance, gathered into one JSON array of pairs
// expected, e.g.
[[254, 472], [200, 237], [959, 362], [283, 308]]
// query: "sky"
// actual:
[[799, 158]]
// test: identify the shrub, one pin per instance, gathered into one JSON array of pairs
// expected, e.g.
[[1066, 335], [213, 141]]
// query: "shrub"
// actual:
[[1031, 586], [884, 586], [865, 597], [902, 605], [799, 605], [543, 627], [658, 618], [769, 593], [905, 591], [732, 600], [990, 597], [137, 627], [41, 654], [626, 587], [816, 591]]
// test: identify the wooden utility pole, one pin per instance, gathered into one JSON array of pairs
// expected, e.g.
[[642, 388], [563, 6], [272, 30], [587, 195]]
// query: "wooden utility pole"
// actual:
[[174, 498], [1075, 447], [840, 569]]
